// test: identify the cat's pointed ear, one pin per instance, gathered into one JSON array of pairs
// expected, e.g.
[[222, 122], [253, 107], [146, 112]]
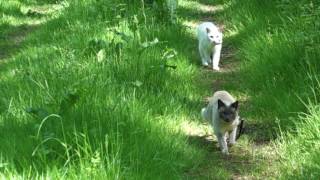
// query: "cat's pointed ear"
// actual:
[[208, 30], [220, 104], [235, 105]]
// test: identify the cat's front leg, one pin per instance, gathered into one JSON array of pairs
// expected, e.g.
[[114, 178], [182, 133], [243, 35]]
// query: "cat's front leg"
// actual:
[[233, 134], [222, 139], [216, 57]]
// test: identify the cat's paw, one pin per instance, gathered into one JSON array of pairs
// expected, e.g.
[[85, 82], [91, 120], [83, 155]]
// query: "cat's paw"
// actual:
[[205, 64], [216, 68], [225, 152]]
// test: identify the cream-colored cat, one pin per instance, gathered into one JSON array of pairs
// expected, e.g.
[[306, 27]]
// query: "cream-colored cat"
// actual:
[[222, 113]]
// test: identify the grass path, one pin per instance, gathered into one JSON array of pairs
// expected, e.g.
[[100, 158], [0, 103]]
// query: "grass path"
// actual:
[[26, 18], [14, 39], [251, 157]]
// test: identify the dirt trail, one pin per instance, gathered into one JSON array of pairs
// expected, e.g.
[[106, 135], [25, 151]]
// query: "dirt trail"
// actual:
[[14, 40], [15, 32], [252, 154]]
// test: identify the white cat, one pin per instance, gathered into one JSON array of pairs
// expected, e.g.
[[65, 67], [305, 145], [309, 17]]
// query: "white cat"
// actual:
[[210, 44], [222, 113]]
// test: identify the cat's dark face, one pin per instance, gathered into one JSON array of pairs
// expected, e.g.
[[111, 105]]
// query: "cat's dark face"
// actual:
[[228, 113]]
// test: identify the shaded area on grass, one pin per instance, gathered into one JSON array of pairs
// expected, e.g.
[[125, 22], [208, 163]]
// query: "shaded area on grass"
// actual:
[[13, 38], [115, 120], [19, 19]]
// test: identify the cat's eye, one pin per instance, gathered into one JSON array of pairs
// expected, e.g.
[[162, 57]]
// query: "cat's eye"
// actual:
[[211, 36]]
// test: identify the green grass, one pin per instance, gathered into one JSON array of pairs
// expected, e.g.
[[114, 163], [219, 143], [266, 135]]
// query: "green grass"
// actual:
[[299, 151], [277, 53], [67, 113], [86, 91], [278, 47]]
